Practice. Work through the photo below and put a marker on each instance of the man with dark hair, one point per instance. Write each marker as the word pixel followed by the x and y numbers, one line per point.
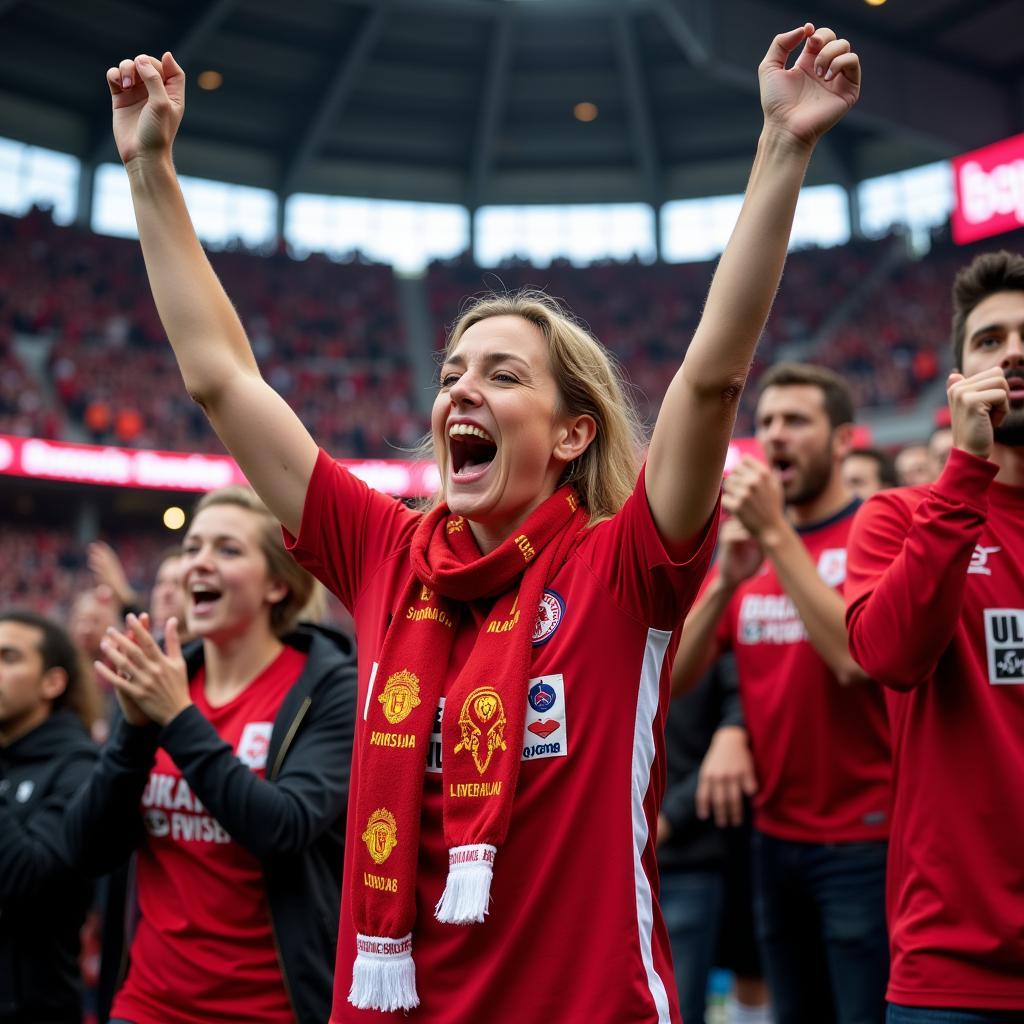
pixel 45 755
pixel 935 606
pixel 817 725
pixel 867 471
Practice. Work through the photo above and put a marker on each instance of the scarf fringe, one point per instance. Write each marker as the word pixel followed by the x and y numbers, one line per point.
pixel 383 975
pixel 467 892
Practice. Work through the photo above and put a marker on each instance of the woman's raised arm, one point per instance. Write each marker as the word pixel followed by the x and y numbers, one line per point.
pixel 267 439
pixel 691 437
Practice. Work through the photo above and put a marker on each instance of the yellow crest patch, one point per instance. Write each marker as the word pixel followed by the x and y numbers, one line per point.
pixel 455 525
pixel 482 723
pixel 381 835
pixel 401 696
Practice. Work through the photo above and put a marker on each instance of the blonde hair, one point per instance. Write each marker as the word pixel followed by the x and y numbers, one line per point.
pixel 589 383
pixel 280 565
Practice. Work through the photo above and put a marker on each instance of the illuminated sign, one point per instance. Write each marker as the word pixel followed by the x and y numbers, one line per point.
pixel 179 471
pixel 989 191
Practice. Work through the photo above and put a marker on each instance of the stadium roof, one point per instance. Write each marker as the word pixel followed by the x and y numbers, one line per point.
pixel 472 101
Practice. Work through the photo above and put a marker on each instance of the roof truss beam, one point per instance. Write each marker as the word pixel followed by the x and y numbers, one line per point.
pixel 338 92
pixel 491 106
pixel 638 101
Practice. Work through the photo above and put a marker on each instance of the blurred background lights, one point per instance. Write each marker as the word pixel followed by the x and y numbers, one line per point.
pixel 174 518
pixel 585 111
pixel 209 80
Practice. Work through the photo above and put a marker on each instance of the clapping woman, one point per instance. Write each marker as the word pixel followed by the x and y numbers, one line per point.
pixel 227 779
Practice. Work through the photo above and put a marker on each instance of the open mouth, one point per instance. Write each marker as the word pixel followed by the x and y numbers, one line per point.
pixel 1016 388
pixel 472 450
pixel 203 596
pixel 785 469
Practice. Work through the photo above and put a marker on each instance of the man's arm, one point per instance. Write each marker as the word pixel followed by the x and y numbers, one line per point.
pixel 738 559
pixel 753 495
pixel 906 571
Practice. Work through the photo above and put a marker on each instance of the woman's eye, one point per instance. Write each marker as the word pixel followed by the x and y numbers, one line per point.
pixel 506 378
pixel 448 379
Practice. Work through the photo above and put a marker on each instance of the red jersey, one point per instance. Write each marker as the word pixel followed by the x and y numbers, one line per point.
pixel 821 750
pixel 574 934
pixel 204 950
pixel 936 609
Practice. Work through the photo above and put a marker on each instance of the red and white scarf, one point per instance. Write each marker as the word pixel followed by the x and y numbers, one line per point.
pixel 481 734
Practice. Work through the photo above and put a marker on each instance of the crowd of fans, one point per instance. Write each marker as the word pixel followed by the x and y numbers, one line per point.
pixel 326 334
pixel 646 315
pixel 329 336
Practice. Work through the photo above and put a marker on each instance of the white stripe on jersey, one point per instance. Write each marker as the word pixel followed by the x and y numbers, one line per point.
pixel 643 761
pixel 369 689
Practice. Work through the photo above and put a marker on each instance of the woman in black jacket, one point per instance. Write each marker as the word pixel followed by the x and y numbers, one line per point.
pixel 228 779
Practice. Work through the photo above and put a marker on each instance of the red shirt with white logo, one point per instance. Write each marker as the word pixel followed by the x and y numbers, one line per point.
pixel 821 750
pixel 204 950
pixel 935 602
pixel 574 934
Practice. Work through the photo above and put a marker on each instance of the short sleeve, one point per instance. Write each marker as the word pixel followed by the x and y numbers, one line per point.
pixel 648 581
pixel 347 529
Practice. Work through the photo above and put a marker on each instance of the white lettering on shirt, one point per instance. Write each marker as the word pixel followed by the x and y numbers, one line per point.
pixel 769 619
pixel 1004 643
pixel 979 560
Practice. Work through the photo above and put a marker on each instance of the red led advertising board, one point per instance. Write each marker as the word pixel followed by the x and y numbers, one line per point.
pixel 989 191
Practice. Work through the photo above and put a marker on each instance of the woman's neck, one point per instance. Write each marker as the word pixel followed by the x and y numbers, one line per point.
pixel 232 664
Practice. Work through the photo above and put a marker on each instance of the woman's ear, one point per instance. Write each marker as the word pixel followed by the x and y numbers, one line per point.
pixel 577 435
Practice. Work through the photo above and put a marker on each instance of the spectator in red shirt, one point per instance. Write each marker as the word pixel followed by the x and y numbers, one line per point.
pixel 935 606
pixel 227 779
pixel 817 724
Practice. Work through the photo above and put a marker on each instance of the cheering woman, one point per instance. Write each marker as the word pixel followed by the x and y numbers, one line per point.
pixel 227 779
pixel 512 639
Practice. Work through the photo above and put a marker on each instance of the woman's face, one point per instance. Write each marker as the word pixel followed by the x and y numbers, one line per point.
pixel 499 439
pixel 227 587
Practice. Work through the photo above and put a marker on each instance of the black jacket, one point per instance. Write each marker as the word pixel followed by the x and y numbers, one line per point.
pixel 293 821
pixel 42 901
pixel 693 719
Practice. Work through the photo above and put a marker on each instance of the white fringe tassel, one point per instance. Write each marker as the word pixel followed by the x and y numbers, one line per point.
pixel 384 975
pixel 467 892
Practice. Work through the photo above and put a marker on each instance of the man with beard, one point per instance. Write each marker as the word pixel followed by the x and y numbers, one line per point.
pixel 817 725
pixel 935 601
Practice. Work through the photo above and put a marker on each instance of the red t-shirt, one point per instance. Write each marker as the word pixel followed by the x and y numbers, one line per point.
pixel 204 950
pixel 821 750
pixel 935 601
pixel 573 934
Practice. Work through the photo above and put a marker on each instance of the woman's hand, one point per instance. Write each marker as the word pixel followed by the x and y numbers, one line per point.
pixel 147 680
pixel 148 98
pixel 808 98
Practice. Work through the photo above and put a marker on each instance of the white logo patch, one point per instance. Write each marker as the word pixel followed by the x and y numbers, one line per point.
pixel 549 617
pixel 832 566
pixel 979 561
pixel 254 744
pixel 544 733
pixel 25 789
pixel 1004 641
